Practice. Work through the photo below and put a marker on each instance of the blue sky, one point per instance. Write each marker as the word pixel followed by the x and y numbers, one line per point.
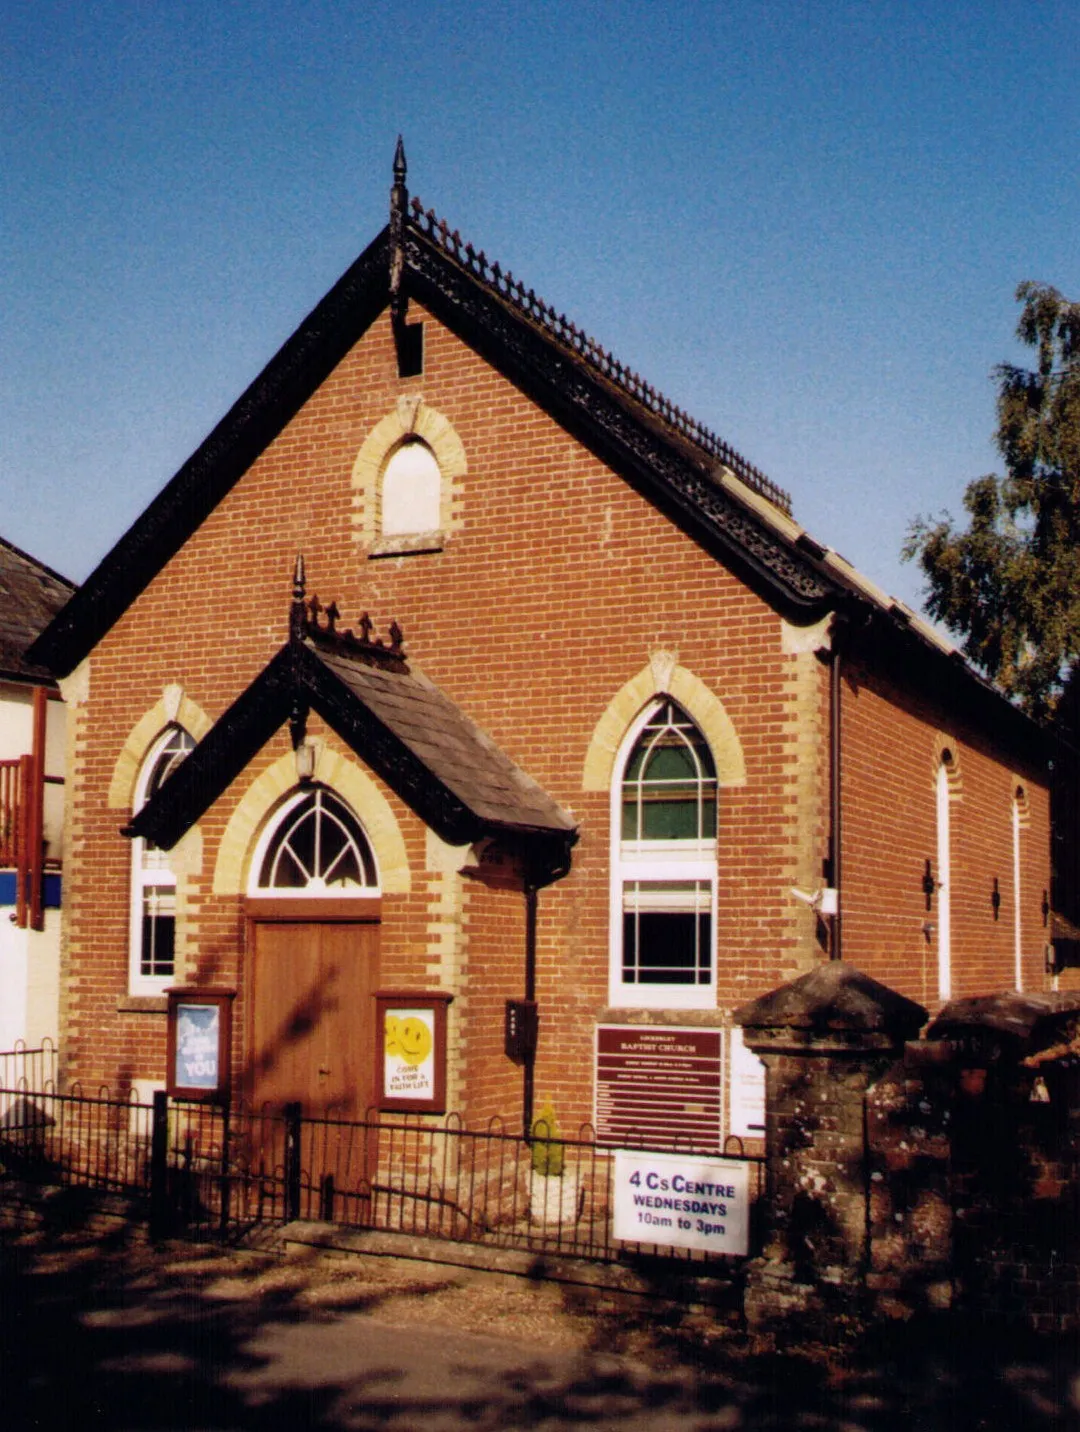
pixel 803 222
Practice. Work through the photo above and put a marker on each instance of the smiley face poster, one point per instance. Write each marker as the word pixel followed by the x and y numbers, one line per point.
pixel 409 1053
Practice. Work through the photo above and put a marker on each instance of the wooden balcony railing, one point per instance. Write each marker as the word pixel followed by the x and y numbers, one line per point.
pixel 22 821
pixel 13 795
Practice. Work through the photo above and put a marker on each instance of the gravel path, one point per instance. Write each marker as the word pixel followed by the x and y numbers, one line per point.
pixel 104 1331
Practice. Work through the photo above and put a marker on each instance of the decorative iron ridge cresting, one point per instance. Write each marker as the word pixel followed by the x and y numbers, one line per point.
pixel 564 331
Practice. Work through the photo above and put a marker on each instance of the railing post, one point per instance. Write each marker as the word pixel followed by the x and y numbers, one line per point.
pixel 35 816
pixel 225 1182
pixel 22 841
pixel 326 1199
pixel 159 1166
pixel 293 1116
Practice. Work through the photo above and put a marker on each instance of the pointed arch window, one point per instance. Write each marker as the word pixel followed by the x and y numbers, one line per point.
pixel 1020 820
pixel 664 864
pixel 316 846
pixel 944 878
pixel 152 943
pixel 411 490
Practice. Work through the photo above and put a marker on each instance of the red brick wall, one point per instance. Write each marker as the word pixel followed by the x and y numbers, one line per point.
pixel 495 973
pixel 891 747
pixel 545 603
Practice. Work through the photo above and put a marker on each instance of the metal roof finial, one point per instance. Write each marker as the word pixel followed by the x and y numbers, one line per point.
pixel 399 203
pixel 297 614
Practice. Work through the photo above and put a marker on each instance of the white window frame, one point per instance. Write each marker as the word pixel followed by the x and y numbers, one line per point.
pixel 944 881
pixel 151 871
pixel 1018 940
pixel 671 861
pixel 316 889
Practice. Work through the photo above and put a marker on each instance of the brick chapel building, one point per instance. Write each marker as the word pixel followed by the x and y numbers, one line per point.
pixel 560 705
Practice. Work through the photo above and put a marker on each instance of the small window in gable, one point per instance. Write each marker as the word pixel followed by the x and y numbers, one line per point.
pixel 153 883
pixel 410 350
pixel 411 491
pixel 664 872
pixel 315 847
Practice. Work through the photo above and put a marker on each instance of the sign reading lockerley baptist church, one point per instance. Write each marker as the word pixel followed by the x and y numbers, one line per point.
pixel 682 1201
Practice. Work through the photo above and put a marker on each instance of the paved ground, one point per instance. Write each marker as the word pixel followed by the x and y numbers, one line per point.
pixel 103 1332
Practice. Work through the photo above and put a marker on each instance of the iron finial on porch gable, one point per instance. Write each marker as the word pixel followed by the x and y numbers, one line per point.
pixel 297 612
pixel 400 167
pixel 399 203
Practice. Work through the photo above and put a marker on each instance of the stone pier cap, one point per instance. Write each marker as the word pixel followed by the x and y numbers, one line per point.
pixel 1009 1026
pixel 833 1009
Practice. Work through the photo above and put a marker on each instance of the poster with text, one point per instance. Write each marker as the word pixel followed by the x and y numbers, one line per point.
pixel 409 1047
pixel 682 1201
pixel 198 1042
pixel 747 1085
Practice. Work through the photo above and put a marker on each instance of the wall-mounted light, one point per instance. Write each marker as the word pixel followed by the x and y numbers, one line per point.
pixel 995 898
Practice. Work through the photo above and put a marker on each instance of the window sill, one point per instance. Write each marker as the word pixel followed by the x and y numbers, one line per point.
pixel 670 1014
pixel 142 1004
pixel 409 544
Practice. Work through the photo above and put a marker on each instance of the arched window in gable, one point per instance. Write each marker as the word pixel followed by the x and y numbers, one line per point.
pixel 411 490
pixel 152 961
pixel 664 864
pixel 315 846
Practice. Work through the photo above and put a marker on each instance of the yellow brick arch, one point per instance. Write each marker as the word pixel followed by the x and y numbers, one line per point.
pixel 946 752
pixel 175 708
pixel 663 678
pixel 346 779
pixel 410 417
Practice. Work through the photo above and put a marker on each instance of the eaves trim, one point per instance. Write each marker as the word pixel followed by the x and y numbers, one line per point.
pixel 687 485
pixel 247 429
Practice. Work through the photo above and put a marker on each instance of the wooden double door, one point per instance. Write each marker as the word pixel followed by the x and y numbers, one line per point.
pixel 313 1015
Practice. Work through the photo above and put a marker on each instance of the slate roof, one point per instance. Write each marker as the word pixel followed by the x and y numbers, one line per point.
pixel 448 771
pixel 450 746
pixel 690 474
pixel 31 594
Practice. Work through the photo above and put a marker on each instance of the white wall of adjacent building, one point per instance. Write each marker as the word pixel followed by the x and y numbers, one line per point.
pixel 30 959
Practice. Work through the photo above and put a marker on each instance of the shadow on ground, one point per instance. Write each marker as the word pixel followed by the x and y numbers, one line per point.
pixel 101 1331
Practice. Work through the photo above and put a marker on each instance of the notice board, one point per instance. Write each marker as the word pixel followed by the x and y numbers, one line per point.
pixel 659 1085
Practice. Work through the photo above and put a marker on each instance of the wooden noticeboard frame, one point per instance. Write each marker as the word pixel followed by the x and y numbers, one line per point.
pixel 410 1052
pixel 199 1044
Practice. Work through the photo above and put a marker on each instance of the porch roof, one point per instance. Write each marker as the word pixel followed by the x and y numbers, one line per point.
pixel 435 758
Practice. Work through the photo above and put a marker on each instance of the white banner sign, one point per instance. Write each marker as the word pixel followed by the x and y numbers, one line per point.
pixel 747 1085
pixel 683 1201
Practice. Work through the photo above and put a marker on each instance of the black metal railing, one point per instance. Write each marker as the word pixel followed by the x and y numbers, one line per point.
pixel 71 1139
pixel 226 1168
pixel 28 1067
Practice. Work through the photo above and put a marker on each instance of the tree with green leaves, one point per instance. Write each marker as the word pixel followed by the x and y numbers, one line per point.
pixel 1008 585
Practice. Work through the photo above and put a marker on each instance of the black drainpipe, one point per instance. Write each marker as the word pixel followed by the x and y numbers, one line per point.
pixel 530 995
pixel 552 864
